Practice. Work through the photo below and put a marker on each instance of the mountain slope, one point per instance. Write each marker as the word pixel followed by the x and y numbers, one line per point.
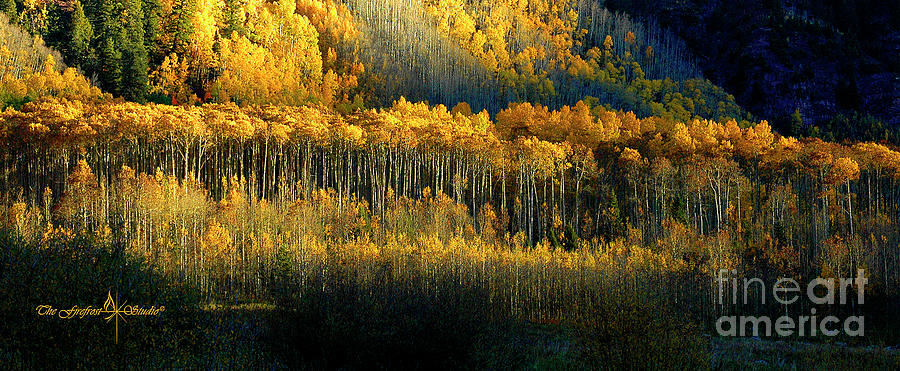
pixel 830 64
pixel 551 53
pixel 348 54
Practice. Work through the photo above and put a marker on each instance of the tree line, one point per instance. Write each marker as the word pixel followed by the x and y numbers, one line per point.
pixel 573 174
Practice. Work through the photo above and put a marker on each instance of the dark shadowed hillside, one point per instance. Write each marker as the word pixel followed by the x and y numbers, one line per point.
pixel 830 61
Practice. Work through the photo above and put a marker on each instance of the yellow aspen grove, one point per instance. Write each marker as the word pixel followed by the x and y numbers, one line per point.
pixel 433 184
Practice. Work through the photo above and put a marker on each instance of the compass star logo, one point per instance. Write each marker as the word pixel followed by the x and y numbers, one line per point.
pixel 114 311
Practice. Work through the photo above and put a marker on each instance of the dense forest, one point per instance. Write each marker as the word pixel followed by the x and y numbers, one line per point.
pixel 391 171
pixel 347 54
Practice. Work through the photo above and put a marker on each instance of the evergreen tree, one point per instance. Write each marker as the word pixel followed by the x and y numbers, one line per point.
pixel 80 34
pixel 134 72
pixel 152 30
pixel 122 55
pixel 108 71
pixel 57 31
pixel 181 29
pixel 110 41
pixel 134 54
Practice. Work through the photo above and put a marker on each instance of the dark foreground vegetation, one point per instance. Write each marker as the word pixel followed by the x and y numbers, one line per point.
pixel 339 322
pixel 334 323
